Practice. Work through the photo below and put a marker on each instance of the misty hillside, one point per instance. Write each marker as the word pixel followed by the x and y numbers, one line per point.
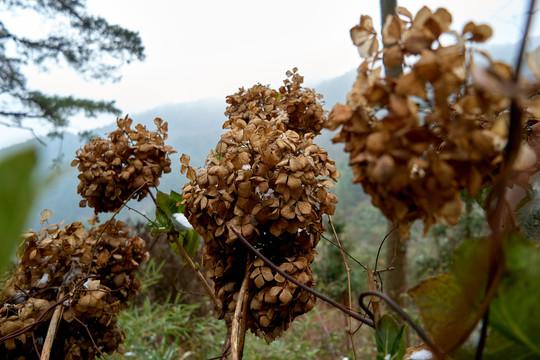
pixel 194 129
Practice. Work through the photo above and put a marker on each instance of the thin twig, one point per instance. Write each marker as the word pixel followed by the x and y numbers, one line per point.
pixel 346 253
pixel 349 291
pixel 235 350
pixel 374 300
pixel 380 247
pixel 243 325
pixel 226 349
pixel 299 284
pixel 35 346
pixel 90 334
pixel 200 276
pixel 51 332
pixel 140 213
pixel 394 306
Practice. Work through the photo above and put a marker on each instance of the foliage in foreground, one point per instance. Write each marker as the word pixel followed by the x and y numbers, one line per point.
pixel 413 166
pixel 171 331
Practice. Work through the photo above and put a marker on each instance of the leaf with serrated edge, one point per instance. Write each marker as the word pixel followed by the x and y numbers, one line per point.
pixel 448 303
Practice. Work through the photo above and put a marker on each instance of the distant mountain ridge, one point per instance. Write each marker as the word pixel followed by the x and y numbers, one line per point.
pixel 194 129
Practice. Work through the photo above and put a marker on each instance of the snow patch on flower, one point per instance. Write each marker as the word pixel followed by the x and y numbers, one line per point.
pixel 182 220
pixel 421 355
pixel 264 196
pixel 43 281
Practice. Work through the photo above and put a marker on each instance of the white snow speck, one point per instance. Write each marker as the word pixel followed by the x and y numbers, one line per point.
pixel 421 355
pixel 86 283
pixel 182 220
pixel 43 281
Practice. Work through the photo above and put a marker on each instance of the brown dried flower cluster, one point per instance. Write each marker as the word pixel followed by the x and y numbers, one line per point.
pixel 269 180
pixel 417 140
pixel 127 164
pixel 302 106
pixel 58 264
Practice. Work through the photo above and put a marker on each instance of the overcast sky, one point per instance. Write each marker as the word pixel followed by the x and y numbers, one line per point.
pixel 208 49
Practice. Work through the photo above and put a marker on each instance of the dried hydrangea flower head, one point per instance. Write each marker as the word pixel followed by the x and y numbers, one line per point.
pixel 127 164
pixel 417 140
pixel 269 180
pixel 58 260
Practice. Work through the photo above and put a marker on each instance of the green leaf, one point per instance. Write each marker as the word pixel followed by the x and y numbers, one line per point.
pixel 17 194
pixel 391 339
pixel 189 240
pixel 178 199
pixel 174 248
pixel 167 203
pixel 161 226
pixel 162 219
pixel 449 303
pixel 481 196
pixel 515 311
pixel 497 347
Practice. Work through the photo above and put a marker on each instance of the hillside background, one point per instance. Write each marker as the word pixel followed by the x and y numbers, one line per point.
pixel 194 129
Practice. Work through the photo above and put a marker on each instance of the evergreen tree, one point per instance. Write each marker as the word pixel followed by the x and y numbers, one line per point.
pixel 87 43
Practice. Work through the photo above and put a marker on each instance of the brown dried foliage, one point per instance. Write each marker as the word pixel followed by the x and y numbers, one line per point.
pixel 131 160
pixel 268 179
pixel 416 141
pixel 58 260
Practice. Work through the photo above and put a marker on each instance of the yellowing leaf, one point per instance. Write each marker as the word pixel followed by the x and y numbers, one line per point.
pixel 449 303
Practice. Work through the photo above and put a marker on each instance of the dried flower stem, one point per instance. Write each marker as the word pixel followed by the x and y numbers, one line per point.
pixel 243 324
pixel 235 349
pixel 90 335
pixel 51 332
pixel 200 276
pixel 348 269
